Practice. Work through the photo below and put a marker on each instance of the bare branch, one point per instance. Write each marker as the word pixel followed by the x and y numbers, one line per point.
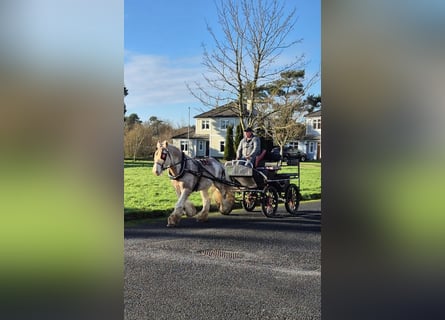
pixel 255 33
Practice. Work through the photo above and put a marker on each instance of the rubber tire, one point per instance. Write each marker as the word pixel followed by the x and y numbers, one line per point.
pixel 292 199
pixel 269 201
pixel 245 204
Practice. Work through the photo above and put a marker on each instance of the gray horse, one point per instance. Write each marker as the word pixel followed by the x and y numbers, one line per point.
pixel 188 175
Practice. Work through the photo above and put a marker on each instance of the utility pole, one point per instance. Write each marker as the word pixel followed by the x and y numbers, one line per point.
pixel 188 135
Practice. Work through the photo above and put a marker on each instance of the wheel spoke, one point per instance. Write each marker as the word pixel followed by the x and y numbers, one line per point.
pixel 269 203
pixel 292 199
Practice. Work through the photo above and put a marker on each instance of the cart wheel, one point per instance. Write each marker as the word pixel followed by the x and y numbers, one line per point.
pixel 269 201
pixel 292 200
pixel 249 200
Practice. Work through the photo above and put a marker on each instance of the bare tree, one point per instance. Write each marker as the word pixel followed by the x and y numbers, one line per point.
pixel 255 34
pixel 134 139
pixel 282 107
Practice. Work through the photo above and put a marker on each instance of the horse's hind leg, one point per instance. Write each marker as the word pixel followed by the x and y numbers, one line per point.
pixel 203 215
pixel 175 216
pixel 190 209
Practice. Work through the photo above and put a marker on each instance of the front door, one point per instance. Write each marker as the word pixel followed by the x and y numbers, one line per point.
pixel 207 148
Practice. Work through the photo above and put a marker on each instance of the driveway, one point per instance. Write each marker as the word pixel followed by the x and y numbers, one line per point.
pixel 241 266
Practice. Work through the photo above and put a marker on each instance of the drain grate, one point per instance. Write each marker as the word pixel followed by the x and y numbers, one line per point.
pixel 220 253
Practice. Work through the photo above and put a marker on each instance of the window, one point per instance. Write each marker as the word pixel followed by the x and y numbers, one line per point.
pixel 225 123
pixel 221 146
pixel 311 147
pixel 205 124
pixel 316 124
pixel 200 145
pixel 184 146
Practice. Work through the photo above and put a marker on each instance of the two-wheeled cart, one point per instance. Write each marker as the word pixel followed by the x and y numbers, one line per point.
pixel 265 186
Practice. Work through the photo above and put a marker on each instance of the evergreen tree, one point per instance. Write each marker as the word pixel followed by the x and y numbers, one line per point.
pixel 125 106
pixel 132 120
pixel 313 102
pixel 238 136
pixel 229 150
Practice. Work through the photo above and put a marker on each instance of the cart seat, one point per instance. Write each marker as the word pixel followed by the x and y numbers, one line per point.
pixel 260 158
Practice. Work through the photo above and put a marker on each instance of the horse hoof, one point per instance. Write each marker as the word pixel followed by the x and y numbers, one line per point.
pixel 170 225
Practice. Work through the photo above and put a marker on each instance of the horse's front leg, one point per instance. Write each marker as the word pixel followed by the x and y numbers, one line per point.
pixel 204 213
pixel 189 208
pixel 175 216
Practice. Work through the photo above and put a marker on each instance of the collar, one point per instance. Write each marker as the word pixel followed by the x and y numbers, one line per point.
pixel 181 170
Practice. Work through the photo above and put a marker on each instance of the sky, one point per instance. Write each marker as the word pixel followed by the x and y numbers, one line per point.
pixel 163 52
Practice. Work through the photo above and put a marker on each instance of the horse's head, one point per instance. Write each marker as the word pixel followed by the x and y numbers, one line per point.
pixel 224 198
pixel 162 158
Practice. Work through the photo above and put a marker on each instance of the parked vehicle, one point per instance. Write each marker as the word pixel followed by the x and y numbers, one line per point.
pixel 288 153
pixel 274 154
pixel 294 153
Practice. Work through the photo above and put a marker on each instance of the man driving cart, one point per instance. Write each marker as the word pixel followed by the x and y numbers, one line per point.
pixel 249 147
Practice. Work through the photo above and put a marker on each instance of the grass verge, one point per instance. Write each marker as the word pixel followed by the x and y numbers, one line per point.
pixel 149 196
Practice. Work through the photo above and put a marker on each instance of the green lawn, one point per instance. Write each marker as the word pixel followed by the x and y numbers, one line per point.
pixel 147 194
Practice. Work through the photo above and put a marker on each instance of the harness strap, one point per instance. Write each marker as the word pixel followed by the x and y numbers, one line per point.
pixel 181 170
pixel 201 173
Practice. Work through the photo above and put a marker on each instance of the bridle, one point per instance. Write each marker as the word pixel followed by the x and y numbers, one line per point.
pixel 166 154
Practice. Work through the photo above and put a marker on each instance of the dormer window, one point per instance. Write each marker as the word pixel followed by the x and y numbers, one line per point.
pixel 205 124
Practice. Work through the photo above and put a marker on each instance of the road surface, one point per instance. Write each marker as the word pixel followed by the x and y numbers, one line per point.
pixel 241 266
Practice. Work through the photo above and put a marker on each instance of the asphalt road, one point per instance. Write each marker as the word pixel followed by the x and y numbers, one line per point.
pixel 242 266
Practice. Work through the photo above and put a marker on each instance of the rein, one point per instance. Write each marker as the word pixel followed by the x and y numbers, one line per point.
pixel 181 170
pixel 201 173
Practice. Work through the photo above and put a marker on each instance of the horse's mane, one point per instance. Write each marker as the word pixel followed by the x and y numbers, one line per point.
pixel 175 149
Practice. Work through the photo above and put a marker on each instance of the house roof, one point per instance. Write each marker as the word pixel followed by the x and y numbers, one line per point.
pixel 313 137
pixel 314 114
pixel 192 135
pixel 184 133
pixel 225 111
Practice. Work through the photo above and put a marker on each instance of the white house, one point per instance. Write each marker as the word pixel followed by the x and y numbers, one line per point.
pixel 208 136
pixel 312 137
